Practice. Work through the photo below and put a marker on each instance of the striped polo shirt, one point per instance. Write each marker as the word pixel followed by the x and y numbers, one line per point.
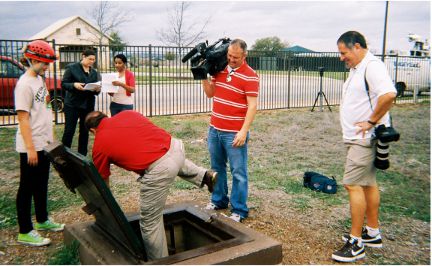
pixel 229 101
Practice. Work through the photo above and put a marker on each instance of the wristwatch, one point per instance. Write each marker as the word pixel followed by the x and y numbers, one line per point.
pixel 372 123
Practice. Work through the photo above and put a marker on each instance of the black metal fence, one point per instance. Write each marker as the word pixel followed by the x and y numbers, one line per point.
pixel 165 86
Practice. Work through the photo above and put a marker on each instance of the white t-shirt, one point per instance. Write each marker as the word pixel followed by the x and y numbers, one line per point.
pixel 121 97
pixel 355 105
pixel 31 95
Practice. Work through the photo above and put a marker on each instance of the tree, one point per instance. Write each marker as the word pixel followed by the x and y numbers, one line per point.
pixel 170 56
pixel 108 17
pixel 179 31
pixel 116 43
pixel 269 45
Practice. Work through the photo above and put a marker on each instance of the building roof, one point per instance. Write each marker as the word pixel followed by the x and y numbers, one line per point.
pixel 59 24
pixel 297 49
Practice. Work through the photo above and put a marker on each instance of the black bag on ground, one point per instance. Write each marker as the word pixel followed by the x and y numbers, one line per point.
pixel 319 182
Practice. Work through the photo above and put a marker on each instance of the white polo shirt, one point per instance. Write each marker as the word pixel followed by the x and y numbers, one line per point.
pixel 355 105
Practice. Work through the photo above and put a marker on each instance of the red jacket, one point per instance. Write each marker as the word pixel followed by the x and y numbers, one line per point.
pixel 130 141
pixel 130 80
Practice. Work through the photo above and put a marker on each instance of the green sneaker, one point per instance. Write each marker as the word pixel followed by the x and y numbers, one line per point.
pixel 33 239
pixel 49 225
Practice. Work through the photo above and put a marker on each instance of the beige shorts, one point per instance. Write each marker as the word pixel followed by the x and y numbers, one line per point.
pixel 359 167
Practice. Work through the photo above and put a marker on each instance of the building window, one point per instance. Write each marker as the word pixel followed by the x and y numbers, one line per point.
pixel 78 31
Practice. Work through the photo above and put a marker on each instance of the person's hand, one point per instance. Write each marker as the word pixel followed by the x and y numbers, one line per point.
pixel 97 88
pixel 239 139
pixel 111 94
pixel 364 127
pixel 32 157
pixel 117 83
pixel 79 86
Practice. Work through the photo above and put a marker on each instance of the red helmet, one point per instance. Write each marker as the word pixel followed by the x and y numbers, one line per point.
pixel 41 51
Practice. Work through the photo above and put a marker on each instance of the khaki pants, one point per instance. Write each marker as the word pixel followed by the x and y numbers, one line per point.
pixel 155 184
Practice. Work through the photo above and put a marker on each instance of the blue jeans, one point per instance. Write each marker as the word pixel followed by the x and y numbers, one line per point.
pixel 221 151
pixel 116 108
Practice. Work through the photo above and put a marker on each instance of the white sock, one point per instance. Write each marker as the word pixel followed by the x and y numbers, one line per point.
pixel 373 232
pixel 359 240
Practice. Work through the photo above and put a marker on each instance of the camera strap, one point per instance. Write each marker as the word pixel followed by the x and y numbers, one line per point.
pixel 368 94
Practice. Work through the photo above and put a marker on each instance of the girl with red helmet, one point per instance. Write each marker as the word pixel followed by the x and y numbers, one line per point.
pixel 35 131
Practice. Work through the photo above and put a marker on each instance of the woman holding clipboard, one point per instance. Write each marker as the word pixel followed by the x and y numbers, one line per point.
pixel 122 100
pixel 79 101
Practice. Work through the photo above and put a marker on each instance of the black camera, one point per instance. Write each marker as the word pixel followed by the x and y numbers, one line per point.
pixel 208 59
pixel 321 71
pixel 384 135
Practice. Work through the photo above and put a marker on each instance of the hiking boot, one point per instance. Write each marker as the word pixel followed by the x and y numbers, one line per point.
pixel 368 241
pixel 209 179
pixel 350 252
pixel 236 217
pixel 33 239
pixel 49 225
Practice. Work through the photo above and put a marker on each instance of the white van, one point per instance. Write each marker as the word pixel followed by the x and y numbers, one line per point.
pixel 409 73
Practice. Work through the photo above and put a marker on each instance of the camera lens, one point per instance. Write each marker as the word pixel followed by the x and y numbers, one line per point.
pixel 382 155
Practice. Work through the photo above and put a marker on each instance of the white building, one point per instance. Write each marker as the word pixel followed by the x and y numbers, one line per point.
pixel 73 35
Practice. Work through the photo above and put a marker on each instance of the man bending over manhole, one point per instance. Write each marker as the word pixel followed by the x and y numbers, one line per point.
pixel 130 141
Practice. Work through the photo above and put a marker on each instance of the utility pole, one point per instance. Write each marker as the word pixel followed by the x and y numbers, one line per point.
pixel 385 32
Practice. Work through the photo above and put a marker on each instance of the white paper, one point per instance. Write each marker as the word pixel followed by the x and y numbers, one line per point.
pixel 107 79
pixel 92 86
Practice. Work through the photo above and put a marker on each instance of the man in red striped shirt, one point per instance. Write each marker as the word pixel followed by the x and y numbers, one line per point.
pixel 131 141
pixel 234 91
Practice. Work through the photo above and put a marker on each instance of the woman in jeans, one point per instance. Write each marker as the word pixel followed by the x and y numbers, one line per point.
pixel 122 100
pixel 35 131
pixel 79 102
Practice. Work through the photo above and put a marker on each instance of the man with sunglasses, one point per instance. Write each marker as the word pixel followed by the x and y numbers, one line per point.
pixel 234 91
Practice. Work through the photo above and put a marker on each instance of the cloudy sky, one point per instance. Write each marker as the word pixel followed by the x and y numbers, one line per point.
pixel 313 24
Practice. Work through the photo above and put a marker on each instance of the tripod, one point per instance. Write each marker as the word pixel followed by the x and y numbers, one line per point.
pixel 321 93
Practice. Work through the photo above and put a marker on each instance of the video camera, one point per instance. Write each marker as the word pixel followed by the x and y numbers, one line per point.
pixel 208 59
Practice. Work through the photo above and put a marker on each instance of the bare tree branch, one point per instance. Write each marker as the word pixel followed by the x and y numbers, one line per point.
pixel 179 32
pixel 108 18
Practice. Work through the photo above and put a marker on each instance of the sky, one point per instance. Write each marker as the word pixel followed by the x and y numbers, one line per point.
pixel 315 25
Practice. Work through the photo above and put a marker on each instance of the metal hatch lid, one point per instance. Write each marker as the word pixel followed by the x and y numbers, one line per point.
pixel 79 173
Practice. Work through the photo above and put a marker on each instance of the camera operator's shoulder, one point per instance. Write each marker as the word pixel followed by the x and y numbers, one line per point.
pixel 249 71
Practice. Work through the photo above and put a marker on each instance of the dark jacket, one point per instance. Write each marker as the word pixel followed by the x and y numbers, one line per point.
pixel 76 98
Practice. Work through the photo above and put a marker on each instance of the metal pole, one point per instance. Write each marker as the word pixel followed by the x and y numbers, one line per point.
pixel 321 94
pixel 150 80
pixel 385 32
pixel 55 83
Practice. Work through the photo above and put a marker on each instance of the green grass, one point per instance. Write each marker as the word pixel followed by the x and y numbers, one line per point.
pixel 66 255
pixel 7 211
pixel 58 198
pixel 283 145
pixel 404 196
pixel 8 155
pixel 182 184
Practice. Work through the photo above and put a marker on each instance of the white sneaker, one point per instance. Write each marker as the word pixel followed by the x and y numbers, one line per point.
pixel 210 206
pixel 236 217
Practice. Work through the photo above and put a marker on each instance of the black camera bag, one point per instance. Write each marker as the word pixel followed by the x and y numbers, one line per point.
pixel 319 182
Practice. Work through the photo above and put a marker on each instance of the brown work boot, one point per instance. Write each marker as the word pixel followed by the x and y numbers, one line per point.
pixel 209 179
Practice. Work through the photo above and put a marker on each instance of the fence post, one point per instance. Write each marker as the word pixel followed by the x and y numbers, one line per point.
pixel 55 83
pixel 396 68
pixel 150 81
pixel 415 94
pixel 289 78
